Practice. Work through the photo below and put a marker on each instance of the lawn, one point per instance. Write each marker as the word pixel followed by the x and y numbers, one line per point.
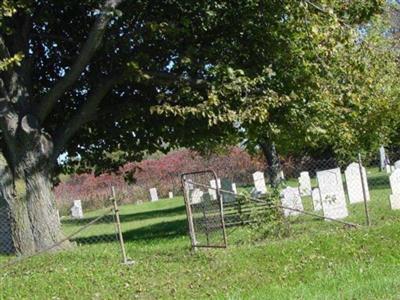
pixel 318 260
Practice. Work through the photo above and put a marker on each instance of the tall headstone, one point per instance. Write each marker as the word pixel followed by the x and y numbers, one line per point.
pixel 355 184
pixel 76 210
pixel 227 191
pixel 234 189
pixel 259 183
pixel 153 194
pixel 332 193
pixel 395 186
pixel 382 158
pixel 290 198
pixel 282 175
pixel 316 198
pixel 170 195
pixel 397 164
pixel 305 184
pixel 213 190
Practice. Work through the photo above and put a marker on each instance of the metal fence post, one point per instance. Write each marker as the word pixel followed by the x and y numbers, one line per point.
pixel 125 259
pixel 364 190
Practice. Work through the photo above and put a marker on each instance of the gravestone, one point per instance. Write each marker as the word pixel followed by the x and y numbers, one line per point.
pixel 388 169
pixel 170 195
pixel 316 198
pixel 290 198
pixel 153 194
pixel 282 175
pixel 226 185
pixel 305 184
pixel 354 183
pixel 382 158
pixel 76 210
pixel 213 190
pixel 332 193
pixel 397 164
pixel 196 196
pixel 234 188
pixel 259 183
pixel 395 187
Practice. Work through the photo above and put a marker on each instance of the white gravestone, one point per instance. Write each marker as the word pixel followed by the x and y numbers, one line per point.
pixel 397 164
pixel 354 183
pixel 234 188
pixel 153 194
pixel 282 175
pixel 395 186
pixel 382 158
pixel 290 198
pixel 316 198
pixel 196 196
pixel 170 195
pixel 76 210
pixel 388 169
pixel 305 184
pixel 213 190
pixel 259 183
pixel 332 194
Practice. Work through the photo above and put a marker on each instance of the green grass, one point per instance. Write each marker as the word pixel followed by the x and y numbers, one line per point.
pixel 319 260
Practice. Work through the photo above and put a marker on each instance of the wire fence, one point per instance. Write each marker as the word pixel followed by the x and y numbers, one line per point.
pixel 308 192
pixel 100 228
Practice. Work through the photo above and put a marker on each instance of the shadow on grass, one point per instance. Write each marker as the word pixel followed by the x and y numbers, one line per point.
pixel 170 212
pixel 162 230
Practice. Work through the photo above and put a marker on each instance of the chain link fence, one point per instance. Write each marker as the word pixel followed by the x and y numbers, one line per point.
pixel 309 193
pixel 82 229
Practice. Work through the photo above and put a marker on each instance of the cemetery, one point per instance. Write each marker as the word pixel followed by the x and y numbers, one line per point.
pixel 199 149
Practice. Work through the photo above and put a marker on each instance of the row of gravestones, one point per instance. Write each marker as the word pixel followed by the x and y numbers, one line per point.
pixel 330 196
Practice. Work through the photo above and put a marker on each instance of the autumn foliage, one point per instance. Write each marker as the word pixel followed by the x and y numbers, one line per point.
pixel 163 174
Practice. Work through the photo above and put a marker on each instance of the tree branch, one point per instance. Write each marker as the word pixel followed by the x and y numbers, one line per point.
pixel 83 115
pixel 89 48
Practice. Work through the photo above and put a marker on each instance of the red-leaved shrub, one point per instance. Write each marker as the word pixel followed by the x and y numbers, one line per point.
pixel 163 174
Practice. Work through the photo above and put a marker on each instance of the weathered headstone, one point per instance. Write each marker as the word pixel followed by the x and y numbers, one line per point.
pixel 76 210
pixel 382 158
pixel 388 169
pixel 332 194
pixel 316 198
pixel 397 164
pixel 170 195
pixel 290 198
pixel 395 186
pixel 282 175
pixel 305 184
pixel 259 183
pixel 354 183
pixel 196 196
pixel 213 190
pixel 226 185
pixel 234 189
pixel 153 194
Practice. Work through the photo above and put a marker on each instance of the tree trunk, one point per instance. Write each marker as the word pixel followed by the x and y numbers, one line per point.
pixel 33 215
pixel 42 212
pixel 273 168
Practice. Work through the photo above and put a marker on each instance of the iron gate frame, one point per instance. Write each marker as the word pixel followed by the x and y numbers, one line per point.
pixel 189 212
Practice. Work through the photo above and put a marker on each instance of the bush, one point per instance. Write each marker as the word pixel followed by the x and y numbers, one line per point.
pixel 163 174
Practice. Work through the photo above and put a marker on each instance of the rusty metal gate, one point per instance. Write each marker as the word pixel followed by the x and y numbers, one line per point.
pixel 204 209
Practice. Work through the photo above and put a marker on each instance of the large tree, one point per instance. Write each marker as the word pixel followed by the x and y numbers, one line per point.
pixel 93 77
